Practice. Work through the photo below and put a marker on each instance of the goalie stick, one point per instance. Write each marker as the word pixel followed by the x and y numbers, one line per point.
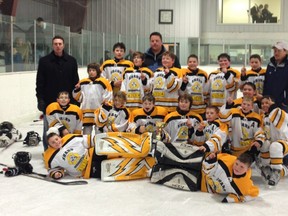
pixel 44 177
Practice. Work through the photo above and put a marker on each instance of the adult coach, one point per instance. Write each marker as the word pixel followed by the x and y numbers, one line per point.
pixel 276 78
pixel 153 56
pixel 57 72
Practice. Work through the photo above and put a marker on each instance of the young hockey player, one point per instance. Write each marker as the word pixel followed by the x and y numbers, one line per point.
pixel 226 174
pixel 194 82
pixel 181 124
pixel 274 156
pixel 65 116
pixel 166 82
pixel 246 127
pixel 255 75
pixel 144 119
pixel 215 132
pixel 223 82
pixel 179 166
pixel 113 118
pixel 91 92
pixel 135 81
pixel 86 156
pixel 113 69
pixel 248 90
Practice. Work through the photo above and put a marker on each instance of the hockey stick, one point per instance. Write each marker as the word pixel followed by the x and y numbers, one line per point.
pixel 44 177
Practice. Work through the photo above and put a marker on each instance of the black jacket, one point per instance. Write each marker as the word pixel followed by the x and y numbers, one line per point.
pixel 276 81
pixel 55 74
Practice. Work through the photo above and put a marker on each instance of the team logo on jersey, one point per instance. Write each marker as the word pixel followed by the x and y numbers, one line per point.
pixel 217 85
pixel 134 84
pixel 72 158
pixel 182 133
pixel 159 82
pixel 116 75
pixel 196 87
pixel 214 185
pixel 245 138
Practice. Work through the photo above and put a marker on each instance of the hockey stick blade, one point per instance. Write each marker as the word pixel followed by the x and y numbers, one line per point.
pixel 40 177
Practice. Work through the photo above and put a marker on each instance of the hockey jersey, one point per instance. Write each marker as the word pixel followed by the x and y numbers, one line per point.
pixel 215 135
pixel 256 77
pixel 166 86
pixel 113 70
pixel 134 86
pixel 91 95
pixel 197 87
pixel 245 128
pixel 218 177
pixel 221 86
pixel 74 155
pixel 111 119
pixel 176 129
pixel 141 118
pixel 69 118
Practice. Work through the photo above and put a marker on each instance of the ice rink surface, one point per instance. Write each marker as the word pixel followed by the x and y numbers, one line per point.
pixel 21 195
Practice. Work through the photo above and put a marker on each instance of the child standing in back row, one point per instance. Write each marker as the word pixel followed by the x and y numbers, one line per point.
pixel 166 83
pixel 135 81
pixel 113 69
pixel 194 82
pixel 91 92
pixel 255 75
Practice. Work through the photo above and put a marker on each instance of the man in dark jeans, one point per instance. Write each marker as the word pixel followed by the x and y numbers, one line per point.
pixel 57 72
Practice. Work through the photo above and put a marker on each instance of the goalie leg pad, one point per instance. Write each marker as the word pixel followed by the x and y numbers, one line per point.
pixel 120 169
pixel 182 179
pixel 179 155
pixel 121 144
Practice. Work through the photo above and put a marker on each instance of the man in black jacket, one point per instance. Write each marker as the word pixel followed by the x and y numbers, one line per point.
pixel 153 56
pixel 276 77
pixel 57 72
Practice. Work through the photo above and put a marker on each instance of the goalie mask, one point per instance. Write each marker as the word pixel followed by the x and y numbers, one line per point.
pixel 32 139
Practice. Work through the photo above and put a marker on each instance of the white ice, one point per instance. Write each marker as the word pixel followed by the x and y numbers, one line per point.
pixel 21 195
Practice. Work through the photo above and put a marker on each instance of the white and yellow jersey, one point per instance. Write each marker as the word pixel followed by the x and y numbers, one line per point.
pixel 217 177
pixel 69 118
pixel 140 118
pixel 166 86
pixel 176 129
pixel 221 86
pixel 275 125
pixel 215 135
pixel 111 119
pixel 91 95
pixel 197 87
pixel 246 128
pixel 113 71
pixel 73 156
pixel 134 86
pixel 256 77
